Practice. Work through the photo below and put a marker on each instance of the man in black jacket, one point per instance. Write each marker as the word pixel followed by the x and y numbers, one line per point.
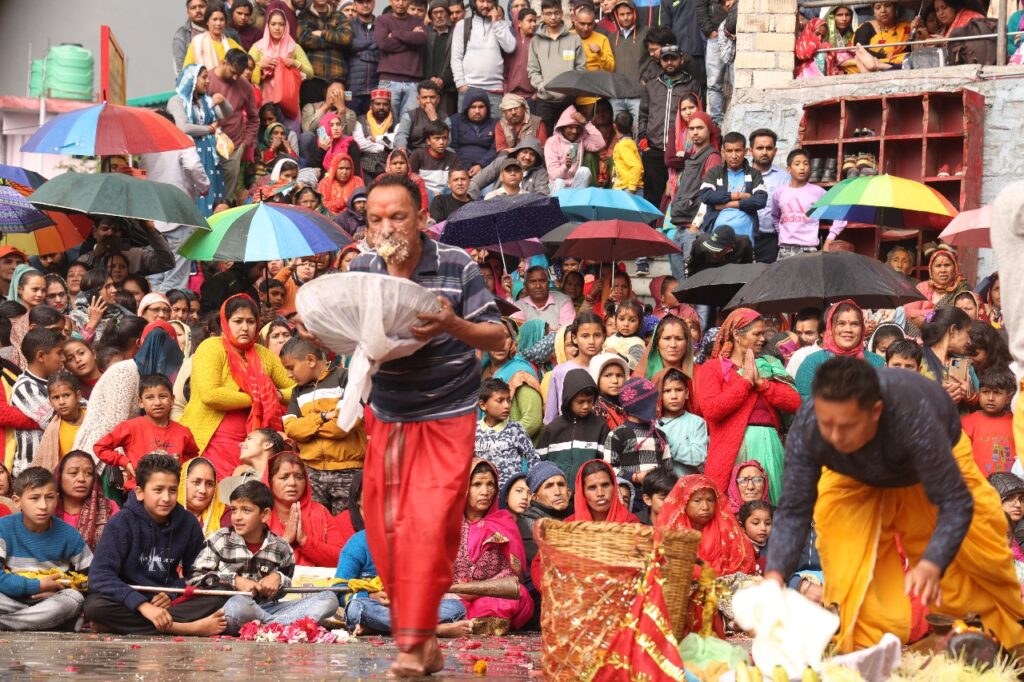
pixel 659 102
pixel 550 497
pixel 438 64
pixel 710 15
pixel 717 249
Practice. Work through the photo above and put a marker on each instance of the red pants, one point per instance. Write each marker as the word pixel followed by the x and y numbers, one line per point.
pixel 414 490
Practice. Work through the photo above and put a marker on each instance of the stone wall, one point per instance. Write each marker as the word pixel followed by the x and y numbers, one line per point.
pixel 780 108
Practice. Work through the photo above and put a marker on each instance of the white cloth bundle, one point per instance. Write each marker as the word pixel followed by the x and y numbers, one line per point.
pixel 366 316
pixel 789 629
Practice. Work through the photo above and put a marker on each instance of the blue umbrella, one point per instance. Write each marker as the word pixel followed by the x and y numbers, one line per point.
pixel 502 220
pixel 592 203
pixel 17 214
pixel 22 176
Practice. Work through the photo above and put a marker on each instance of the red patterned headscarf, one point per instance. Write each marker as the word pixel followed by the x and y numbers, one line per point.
pixel 248 372
pixel 738 319
pixel 828 341
pixel 723 544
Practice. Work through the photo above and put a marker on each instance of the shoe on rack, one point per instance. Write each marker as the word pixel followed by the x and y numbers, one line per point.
pixel 817 167
pixel 943 171
pixel 868 132
pixel 959 170
pixel 829 174
pixel 867 165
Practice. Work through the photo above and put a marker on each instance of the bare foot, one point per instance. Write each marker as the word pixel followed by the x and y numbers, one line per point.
pixel 462 628
pixel 357 631
pixel 214 624
pixel 424 659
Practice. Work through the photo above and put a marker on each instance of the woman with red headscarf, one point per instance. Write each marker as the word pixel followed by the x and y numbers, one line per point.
pixel 845 334
pixel 238 386
pixel 748 483
pixel 338 143
pixel 810 63
pixel 490 547
pixel 678 147
pixel 339 183
pixel 315 536
pixel 740 397
pixel 280 64
pixel 597 495
pixel 943 285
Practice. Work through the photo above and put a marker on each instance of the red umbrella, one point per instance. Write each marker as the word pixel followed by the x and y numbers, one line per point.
pixel 970 228
pixel 105 130
pixel 606 241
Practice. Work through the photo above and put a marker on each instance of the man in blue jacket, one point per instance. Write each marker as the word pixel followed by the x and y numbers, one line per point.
pixel 472 132
pixel 733 192
pixel 363 57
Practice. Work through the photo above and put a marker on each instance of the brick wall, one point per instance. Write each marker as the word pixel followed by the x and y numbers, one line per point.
pixel 764 43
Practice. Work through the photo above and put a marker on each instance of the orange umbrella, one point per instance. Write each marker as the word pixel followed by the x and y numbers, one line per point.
pixel 68 230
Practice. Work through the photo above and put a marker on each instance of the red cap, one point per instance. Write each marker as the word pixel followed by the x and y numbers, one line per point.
pixel 8 250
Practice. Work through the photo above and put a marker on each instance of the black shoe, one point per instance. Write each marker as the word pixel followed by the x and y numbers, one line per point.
pixel 817 167
pixel 829 174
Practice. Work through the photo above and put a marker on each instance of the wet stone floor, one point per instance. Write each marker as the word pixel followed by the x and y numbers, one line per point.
pixel 48 656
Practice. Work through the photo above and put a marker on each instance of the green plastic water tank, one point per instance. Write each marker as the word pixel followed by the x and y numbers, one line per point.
pixel 35 81
pixel 69 72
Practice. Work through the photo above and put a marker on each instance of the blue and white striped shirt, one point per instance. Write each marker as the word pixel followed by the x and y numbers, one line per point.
pixel 442 379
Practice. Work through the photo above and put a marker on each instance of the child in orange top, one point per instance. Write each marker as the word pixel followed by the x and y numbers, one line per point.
pixel 991 428
pixel 154 432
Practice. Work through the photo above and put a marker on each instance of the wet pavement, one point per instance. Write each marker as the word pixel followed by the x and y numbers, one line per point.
pixel 47 656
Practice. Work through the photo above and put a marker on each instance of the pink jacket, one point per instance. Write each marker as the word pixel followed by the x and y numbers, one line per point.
pixel 557 147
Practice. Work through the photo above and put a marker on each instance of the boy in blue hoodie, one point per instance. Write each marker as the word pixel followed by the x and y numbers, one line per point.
pixel 151 542
pixel 33 540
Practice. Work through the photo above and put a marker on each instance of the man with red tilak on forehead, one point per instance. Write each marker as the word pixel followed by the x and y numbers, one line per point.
pixel 421 421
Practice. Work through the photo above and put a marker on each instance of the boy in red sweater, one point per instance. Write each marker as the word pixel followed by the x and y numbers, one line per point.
pixel 991 428
pixel 154 432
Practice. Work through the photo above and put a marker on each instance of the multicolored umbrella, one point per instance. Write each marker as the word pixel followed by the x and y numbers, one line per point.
pixel 607 241
pixel 17 214
pixel 120 196
pixel 107 129
pixel 886 200
pixel 592 203
pixel 22 176
pixel 265 231
pixel 970 228
pixel 60 232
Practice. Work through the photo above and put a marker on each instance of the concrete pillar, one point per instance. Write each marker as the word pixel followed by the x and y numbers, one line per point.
pixel 765 38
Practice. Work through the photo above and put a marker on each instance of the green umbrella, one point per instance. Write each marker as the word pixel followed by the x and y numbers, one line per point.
pixel 120 196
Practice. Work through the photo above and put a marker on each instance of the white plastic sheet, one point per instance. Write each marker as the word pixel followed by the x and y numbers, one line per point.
pixel 368 317
pixel 790 630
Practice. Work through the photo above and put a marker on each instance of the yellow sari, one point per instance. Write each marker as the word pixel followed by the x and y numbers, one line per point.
pixel 857 524
pixel 899 33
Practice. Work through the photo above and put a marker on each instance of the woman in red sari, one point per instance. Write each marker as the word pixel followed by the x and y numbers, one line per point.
pixel 952 14
pixel 315 536
pixel 490 547
pixel 695 503
pixel 597 495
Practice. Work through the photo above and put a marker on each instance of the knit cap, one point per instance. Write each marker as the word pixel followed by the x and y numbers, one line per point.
pixel 541 472
pixel 639 398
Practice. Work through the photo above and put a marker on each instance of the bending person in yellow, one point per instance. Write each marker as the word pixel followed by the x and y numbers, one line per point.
pixel 880 453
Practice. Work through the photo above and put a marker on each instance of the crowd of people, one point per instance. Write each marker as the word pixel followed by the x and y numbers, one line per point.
pixel 168 423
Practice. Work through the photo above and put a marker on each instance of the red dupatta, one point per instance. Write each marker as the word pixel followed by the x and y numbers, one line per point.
pixel 617 512
pixel 497 526
pixel 723 544
pixel 735 498
pixel 828 341
pixel 248 372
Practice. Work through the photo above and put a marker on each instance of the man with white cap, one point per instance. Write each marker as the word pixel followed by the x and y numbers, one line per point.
pixel 517 123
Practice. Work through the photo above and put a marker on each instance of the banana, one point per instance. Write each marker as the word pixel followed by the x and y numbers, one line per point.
pixel 743 672
pixel 779 674
pixel 809 676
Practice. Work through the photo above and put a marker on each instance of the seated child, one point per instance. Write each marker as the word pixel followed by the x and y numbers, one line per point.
pixel 686 433
pixel 59 437
pixel 367 609
pixel 150 542
pixel 332 456
pixel 626 340
pixel 44 350
pixel 248 557
pixel 991 428
pixel 609 371
pixel 503 443
pixel 637 446
pixel 756 518
pixel 655 488
pixel 515 495
pixel 152 432
pixel 33 540
pixel 577 435
pixel 904 355
pixel 257 449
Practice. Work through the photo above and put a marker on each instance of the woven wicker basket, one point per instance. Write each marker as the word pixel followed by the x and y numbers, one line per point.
pixel 606 558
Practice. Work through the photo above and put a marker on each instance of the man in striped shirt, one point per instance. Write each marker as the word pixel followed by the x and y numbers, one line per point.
pixel 421 422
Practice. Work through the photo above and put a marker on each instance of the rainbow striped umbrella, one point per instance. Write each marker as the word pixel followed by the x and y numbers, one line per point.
pixel 886 200
pixel 265 231
pixel 107 129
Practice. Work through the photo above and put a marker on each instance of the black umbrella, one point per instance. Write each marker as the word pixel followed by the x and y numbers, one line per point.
pixel 594 84
pixel 817 280
pixel 553 239
pixel 502 220
pixel 715 286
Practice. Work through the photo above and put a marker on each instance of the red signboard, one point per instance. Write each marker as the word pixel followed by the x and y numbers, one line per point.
pixel 112 72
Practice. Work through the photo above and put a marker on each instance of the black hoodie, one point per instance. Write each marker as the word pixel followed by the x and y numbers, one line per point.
pixel 135 550
pixel 570 441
